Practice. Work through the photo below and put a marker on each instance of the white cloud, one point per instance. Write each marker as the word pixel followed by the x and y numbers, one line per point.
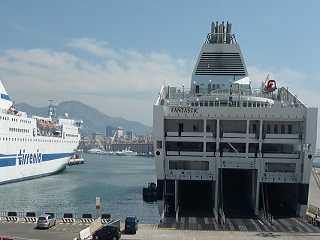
pixel 120 82
pixel 98 48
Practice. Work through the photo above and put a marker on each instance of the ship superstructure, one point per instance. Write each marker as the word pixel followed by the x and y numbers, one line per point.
pixel 224 148
pixel 33 146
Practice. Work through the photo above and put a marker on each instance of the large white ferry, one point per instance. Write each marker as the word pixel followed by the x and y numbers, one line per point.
pixel 33 146
pixel 224 148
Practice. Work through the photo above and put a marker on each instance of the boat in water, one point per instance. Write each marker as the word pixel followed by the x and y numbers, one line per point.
pixel 224 148
pixel 97 151
pixel 125 152
pixel 33 146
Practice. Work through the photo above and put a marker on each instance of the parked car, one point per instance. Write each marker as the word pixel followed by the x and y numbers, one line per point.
pixel 131 225
pixel 46 221
pixel 108 232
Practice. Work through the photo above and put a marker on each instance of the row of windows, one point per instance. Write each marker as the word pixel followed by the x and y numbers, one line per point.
pixel 19 130
pixel 276 129
pixel 280 167
pixel 189 165
pixel 14 119
pixel 34 140
pixel 25 121
pixel 226 103
pixel 280 129
pixel 226 147
pixel 71 135
pixel 204 166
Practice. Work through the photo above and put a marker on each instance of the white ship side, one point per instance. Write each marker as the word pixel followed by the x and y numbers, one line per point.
pixel 33 146
pixel 224 148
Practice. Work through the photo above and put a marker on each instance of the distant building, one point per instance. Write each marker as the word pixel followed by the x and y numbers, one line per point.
pixel 120 132
pixel 110 131
pixel 118 135
pixel 129 135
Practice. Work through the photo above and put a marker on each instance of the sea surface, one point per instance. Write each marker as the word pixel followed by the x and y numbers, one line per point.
pixel 117 180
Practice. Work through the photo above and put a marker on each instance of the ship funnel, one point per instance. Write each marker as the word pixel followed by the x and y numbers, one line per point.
pixel 228 37
pixel 213 29
pixel 220 62
pixel 5 101
pixel 221 33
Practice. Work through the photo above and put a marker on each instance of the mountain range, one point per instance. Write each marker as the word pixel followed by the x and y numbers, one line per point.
pixel 94 121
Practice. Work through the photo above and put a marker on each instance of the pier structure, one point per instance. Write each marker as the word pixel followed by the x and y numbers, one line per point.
pixel 140 148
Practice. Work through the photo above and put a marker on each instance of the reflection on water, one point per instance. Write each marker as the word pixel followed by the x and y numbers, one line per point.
pixel 117 180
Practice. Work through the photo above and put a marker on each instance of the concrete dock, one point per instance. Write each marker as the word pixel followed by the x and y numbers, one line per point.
pixel 25 231
pixel 192 228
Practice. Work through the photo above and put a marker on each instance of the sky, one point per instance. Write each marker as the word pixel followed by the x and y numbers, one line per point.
pixel 115 55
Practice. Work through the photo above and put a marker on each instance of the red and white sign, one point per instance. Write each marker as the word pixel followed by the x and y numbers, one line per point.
pixel 98 203
pixel 271 86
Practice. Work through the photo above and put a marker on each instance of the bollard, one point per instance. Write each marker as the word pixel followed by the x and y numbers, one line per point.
pixel 86 218
pixel 68 218
pixel 12 217
pixel 30 217
pixel 105 217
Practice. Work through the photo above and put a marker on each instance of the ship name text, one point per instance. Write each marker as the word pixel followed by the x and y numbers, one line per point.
pixel 24 158
pixel 188 110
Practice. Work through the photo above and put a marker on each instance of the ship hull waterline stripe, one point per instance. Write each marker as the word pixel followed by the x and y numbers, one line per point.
pixel 11 161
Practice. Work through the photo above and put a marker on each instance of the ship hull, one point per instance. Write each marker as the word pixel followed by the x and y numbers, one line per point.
pixel 18 173
pixel 24 154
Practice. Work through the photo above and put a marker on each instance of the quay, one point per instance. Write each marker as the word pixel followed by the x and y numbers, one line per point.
pixel 27 231
pixel 185 228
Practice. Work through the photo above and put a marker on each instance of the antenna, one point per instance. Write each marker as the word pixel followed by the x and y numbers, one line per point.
pixel 52 109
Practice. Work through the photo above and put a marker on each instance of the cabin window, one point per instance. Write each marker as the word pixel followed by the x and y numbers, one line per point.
pixel 189 165
pixel 283 129
pixel 254 128
pixel 180 128
pixel 159 144
pixel 211 147
pixel 197 89
pixel 184 146
pixel 275 129
pixel 268 128
pixel 280 167
pixel 290 129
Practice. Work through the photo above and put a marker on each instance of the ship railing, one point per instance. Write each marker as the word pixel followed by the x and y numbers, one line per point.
pixel 282 96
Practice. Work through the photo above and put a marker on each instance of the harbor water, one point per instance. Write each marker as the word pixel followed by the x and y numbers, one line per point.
pixel 117 180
